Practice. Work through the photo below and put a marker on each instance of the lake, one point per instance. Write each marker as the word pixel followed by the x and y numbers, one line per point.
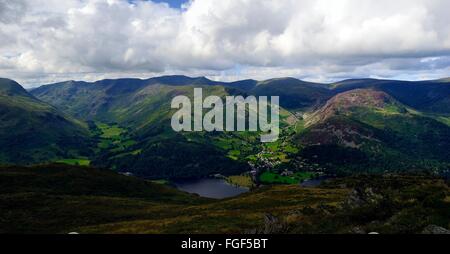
pixel 210 188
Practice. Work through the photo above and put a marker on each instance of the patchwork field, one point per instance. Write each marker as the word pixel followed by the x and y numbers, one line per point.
pixel 269 177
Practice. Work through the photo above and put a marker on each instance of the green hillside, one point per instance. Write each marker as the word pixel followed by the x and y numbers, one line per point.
pixel 139 113
pixel 429 96
pixel 368 130
pixel 154 149
pixel 294 94
pixel 32 131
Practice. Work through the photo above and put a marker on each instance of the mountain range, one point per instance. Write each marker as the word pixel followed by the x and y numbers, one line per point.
pixel 356 125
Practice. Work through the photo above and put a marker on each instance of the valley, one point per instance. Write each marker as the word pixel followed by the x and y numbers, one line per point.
pixel 350 126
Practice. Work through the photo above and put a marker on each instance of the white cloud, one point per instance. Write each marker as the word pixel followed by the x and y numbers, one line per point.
pixel 43 41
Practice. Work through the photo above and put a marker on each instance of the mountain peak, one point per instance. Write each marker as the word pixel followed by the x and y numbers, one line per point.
pixel 291 82
pixel 347 101
pixel 181 80
pixel 361 98
pixel 284 80
pixel 12 88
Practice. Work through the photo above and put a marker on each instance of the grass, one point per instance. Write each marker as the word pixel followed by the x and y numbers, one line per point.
pixel 75 162
pixel 237 145
pixel 113 138
pixel 291 149
pixel 270 177
pixel 445 120
pixel 231 216
pixel 241 180
pixel 104 144
pixel 32 131
pixel 300 126
pixel 161 181
pixel 62 199
pixel 136 152
pixel 234 154
pixel 110 131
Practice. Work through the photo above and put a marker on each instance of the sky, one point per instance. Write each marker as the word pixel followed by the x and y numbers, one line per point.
pixel 173 3
pixel 46 41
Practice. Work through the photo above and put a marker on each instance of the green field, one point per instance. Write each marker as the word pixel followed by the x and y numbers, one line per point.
pixel 112 137
pixel 241 180
pixel 269 177
pixel 161 181
pixel 110 131
pixel 75 162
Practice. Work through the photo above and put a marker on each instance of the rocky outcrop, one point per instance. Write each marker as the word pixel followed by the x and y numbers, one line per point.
pixel 362 197
pixel 272 225
pixel 435 230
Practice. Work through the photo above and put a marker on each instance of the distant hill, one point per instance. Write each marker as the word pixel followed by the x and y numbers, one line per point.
pixel 429 96
pixel 369 127
pixel 142 107
pixel 11 88
pixel 32 131
pixel 99 100
pixel 294 94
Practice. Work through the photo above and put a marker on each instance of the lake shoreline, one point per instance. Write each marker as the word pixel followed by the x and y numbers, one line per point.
pixel 216 188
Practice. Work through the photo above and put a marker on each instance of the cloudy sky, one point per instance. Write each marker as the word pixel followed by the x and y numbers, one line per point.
pixel 43 41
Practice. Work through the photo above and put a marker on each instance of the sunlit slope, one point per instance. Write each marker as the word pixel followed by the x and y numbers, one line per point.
pixel 369 129
pixel 32 131
pixel 294 94
pixel 428 96
pixel 159 151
